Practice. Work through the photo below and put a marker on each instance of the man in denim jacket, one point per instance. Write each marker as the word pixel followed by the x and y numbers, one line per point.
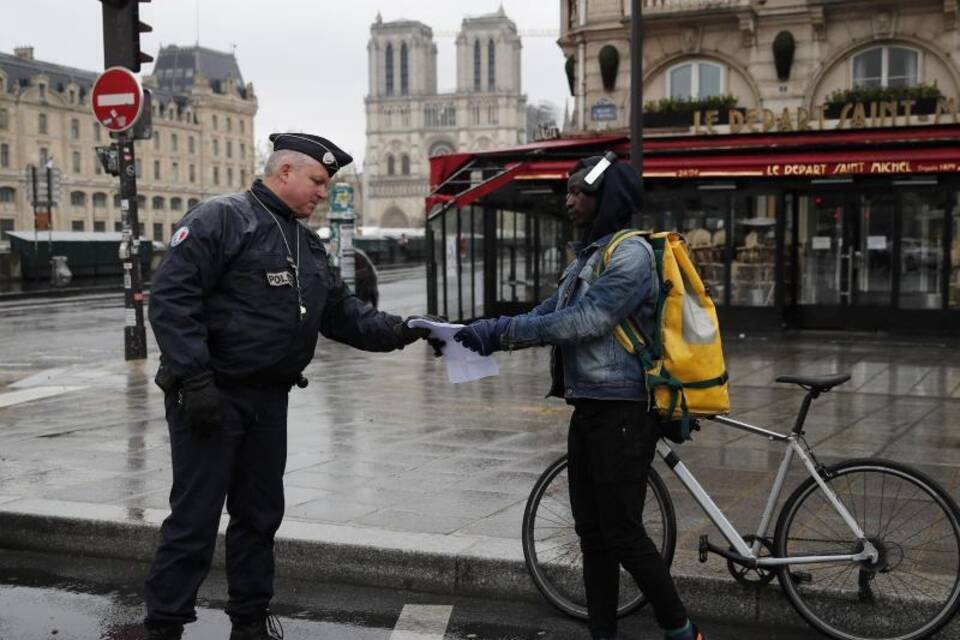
pixel 612 437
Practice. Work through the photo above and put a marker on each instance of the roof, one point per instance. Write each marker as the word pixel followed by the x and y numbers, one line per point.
pixel 176 66
pixel 20 72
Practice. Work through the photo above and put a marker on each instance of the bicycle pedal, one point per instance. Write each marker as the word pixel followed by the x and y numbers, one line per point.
pixel 704 548
pixel 801 577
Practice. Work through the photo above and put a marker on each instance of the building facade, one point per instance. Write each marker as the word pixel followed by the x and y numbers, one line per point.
pixel 408 121
pixel 833 232
pixel 202 145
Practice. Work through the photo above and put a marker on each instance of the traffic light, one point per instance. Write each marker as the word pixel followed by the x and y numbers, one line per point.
pixel 121 34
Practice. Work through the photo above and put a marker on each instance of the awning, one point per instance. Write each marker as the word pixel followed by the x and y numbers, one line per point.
pixel 806 155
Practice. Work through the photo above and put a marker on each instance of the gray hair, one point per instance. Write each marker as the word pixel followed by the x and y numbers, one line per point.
pixel 285 156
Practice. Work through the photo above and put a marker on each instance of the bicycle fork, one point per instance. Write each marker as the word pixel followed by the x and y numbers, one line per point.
pixel 748 555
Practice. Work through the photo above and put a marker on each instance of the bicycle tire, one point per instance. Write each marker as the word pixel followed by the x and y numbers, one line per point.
pixel 844 600
pixel 559 577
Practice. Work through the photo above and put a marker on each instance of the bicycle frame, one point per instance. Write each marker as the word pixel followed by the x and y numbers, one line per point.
pixel 748 554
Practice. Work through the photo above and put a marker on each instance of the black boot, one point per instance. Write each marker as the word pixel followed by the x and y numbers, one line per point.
pixel 165 632
pixel 266 628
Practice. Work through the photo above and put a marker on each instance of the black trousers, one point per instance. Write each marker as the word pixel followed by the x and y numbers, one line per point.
pixel 243 464
pixel 611 445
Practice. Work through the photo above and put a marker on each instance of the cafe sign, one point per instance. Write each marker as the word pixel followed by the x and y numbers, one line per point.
pixel 852 115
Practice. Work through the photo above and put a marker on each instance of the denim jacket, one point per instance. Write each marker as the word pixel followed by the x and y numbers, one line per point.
pixel 578 320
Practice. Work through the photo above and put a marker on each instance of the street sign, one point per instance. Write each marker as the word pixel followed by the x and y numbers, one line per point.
pixel 117 99
pixel 603 109
pixel 56 186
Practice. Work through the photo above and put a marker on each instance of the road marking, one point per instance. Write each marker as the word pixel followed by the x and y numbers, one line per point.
pixel 115 99
pixel 422 622
pixel 11 398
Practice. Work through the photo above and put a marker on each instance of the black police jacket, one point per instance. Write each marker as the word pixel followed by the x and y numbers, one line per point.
pixel 224 298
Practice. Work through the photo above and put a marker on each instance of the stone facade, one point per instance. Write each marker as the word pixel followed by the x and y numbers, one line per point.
pixel 408 121
pixel 837 44
pixel 203 141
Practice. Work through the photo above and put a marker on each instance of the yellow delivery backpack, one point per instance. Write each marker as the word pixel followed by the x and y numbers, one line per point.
pixel 686 373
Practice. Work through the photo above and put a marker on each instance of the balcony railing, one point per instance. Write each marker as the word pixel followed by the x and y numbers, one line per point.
pixel 676 6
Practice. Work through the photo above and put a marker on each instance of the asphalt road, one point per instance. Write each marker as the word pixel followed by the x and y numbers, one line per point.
pixel 47 597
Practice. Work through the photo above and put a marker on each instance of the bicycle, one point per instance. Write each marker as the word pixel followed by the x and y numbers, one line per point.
pixel 864 549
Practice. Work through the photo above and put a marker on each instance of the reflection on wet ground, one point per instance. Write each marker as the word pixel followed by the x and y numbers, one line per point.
pixel 47 597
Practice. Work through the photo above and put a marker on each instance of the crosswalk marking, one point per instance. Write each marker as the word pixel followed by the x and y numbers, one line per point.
pixel 422 622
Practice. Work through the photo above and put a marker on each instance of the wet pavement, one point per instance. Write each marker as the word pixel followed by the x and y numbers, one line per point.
pixel 44 597
pixel 384 451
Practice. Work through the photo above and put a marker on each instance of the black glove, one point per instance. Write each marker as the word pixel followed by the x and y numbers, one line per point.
pixel 200 403
pixel 436 343
pixel 165 379
pixel 407 334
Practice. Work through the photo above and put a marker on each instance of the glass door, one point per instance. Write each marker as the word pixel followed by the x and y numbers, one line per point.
pixel 846 258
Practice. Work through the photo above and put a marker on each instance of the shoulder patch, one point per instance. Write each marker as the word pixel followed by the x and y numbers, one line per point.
pixel 179 236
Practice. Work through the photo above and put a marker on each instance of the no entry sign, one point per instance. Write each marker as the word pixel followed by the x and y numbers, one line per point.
pixel 117 99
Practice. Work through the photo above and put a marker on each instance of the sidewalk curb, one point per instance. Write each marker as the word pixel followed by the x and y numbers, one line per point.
pixel 467 566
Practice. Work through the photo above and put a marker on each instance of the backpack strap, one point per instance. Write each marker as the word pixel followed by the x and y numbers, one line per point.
pixel 628 332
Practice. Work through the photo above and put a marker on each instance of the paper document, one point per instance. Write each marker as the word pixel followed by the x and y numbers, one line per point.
pixel 463 365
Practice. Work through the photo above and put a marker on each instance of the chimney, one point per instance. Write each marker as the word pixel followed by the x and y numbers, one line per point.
pixel 24 53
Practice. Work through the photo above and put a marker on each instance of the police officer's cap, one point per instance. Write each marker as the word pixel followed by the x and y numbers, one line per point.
pixel 332 157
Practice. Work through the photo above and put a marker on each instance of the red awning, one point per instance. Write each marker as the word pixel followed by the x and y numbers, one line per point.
pixel 805 155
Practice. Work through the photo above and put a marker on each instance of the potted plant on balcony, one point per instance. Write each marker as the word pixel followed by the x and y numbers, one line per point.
pixel 925 96
pixel 678 112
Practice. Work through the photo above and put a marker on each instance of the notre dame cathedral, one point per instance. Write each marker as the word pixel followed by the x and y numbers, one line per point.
pixel 408 121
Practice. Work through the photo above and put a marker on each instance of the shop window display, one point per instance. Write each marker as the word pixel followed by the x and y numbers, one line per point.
pixel 921 250
pixel 955 259
pixel 752 270
pixel 702 220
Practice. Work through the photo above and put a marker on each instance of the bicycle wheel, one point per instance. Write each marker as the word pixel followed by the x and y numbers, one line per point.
pixel 551 547
pixel 911 590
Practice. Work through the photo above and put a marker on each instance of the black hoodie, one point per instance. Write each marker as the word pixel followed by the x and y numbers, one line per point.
pixel 618 198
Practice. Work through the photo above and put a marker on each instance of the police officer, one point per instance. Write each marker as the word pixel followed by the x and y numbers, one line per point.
pixel 236 306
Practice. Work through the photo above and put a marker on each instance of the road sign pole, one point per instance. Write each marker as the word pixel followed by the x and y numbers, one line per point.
pixel 50 214
pixel 33 202
pixel 134 333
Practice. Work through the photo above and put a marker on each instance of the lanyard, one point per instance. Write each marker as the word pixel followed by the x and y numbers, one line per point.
pixel 295 265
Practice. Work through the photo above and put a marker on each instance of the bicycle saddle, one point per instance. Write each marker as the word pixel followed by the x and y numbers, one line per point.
pixel 820 384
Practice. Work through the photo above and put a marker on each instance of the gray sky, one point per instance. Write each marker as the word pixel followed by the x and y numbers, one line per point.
pixel 306 58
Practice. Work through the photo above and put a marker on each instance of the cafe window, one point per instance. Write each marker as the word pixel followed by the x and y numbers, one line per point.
pixel 923 225
pixel 696 79
pixel 754 251
pixel 703 221
pixel 886 67
pixel 955 256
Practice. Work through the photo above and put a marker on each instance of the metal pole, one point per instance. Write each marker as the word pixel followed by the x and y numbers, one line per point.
pixel 33 182
pixel 134 332
pixel 636 94
pixel 50 214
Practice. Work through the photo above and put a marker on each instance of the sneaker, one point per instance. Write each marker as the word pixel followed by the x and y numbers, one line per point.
pixel 167 632
pixel 266 628
pixel 693 634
